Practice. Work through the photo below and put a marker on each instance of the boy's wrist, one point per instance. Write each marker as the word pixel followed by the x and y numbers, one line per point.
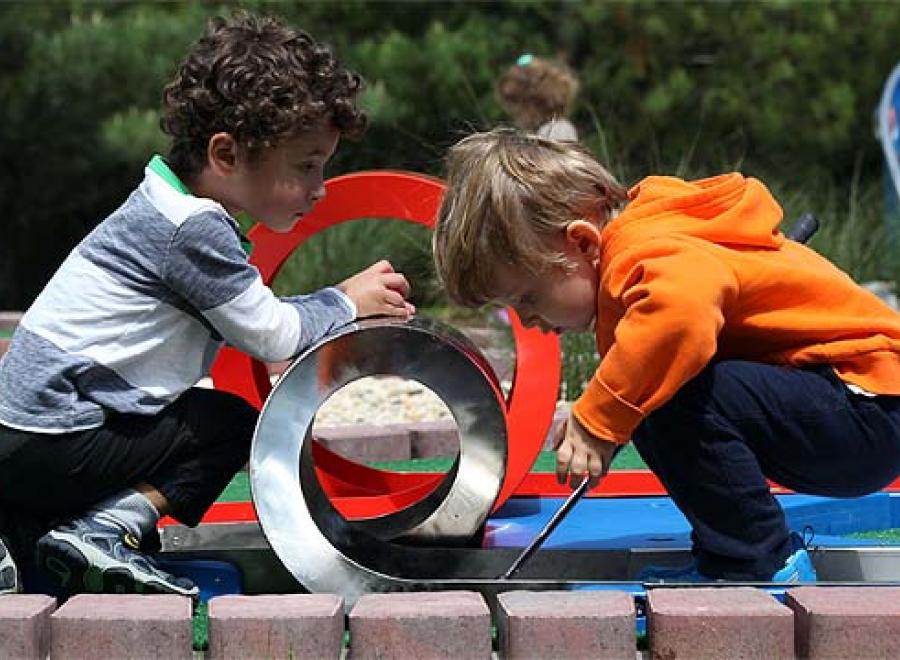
pixel 347 300
pixel 596 415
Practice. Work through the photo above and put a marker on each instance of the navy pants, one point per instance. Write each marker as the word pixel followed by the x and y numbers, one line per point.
pixel 715 442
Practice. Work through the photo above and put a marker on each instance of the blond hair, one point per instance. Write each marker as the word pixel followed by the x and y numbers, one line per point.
pixel 537 91
pixel 510 196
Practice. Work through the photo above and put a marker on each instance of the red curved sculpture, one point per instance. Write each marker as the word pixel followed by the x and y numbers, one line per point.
pixel 532 401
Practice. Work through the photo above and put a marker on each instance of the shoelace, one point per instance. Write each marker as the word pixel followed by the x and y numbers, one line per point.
pixel 806 540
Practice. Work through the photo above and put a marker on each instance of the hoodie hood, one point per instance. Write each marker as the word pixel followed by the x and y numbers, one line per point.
pixel 729 209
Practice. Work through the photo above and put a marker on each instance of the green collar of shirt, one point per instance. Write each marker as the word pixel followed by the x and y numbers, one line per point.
pixel 159 167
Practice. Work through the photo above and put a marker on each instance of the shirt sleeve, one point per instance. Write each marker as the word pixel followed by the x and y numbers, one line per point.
pixel 207 267
pixel 675 296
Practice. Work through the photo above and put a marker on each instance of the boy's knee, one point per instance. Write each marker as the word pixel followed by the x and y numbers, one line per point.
pixel 246 414
pixel 228 407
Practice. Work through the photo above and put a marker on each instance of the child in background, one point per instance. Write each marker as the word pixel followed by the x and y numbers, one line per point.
pixel 101 429
pixel 538 94
pixel 728 353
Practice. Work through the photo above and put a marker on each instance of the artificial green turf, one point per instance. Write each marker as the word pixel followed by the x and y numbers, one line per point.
pixel 628 459
pixel 239 488
pixel 201 627
pixel 890 536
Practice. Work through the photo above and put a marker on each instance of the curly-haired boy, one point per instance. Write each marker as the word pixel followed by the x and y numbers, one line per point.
pixel 729 353
pixel 101 429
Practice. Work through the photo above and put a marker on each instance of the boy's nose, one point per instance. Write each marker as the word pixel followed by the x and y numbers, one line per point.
pixel 318 194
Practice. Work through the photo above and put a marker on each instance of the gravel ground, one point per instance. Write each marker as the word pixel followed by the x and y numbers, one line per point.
pixel 382 400
pixel 378 400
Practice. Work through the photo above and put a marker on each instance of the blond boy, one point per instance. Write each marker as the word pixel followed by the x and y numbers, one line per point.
pixel 728 353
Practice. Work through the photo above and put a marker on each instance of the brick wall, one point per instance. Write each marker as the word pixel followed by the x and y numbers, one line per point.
pixel 726 622
pixel 400 442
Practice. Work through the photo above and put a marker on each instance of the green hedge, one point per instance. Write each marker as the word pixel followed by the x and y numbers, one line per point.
pixel 782 89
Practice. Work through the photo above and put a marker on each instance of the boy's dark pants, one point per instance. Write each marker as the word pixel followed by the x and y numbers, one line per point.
pixel 189 452
pixel 735 424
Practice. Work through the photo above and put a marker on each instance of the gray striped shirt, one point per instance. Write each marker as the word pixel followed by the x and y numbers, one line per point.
pixel 137 312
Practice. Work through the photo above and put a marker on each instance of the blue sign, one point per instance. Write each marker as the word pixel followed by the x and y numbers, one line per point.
pixel 889 135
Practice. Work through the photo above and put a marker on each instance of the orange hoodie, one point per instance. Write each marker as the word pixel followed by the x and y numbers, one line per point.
pixel 692 271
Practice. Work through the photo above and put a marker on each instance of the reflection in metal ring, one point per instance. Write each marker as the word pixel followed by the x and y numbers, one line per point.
pixel 320 548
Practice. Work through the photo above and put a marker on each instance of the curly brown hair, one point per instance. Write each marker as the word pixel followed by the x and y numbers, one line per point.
pixel 259 81
pixel 537 91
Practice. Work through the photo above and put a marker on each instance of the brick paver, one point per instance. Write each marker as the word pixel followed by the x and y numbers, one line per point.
pixel 846 622
pixel 437 438
pixel 388 442
pixel 25 625
pixel 455 625
pixel 726 622
pixel 291 626
pixel 566 624
pixel 91 626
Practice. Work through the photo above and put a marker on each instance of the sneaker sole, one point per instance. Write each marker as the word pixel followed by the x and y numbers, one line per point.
pixel 9 576
pixel 79 567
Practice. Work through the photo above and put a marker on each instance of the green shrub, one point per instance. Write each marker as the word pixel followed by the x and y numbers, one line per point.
pixel 784 90
pixel 332 255
pixel 579 362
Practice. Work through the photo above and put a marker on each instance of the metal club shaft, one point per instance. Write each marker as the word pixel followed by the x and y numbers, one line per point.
pixel 570 501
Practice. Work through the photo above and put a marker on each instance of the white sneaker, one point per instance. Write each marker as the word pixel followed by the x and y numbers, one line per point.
pixel 9 575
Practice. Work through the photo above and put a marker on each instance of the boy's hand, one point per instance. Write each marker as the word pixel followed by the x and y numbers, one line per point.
pixel 378 290
pixel 578 452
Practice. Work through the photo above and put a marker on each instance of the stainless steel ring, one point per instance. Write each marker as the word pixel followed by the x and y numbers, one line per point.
pixel 320 548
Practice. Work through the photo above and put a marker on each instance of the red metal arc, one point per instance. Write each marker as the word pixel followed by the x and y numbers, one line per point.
pixel 530 406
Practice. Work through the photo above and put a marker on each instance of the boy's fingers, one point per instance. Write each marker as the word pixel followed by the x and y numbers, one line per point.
pixel 595 467
pixel 396 282
pixel 576 479
pixel 578 466
pixel 393 299
pixel 383 266
pixel 563 457
pixel 404 310
pixel 393 304
pixel 560 435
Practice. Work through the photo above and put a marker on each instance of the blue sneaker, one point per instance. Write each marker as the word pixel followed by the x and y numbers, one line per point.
pixel 86 555
pixel 9 575
pixel 798 568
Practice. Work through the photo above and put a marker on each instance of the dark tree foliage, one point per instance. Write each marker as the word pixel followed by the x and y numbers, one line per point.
pixel 783 89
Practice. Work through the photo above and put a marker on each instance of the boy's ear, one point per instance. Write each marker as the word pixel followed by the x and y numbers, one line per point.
pixel 585 237
pixel 222 154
